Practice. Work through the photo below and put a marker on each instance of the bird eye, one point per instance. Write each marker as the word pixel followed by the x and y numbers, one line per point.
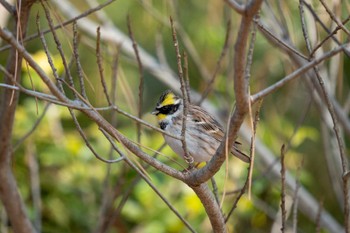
pixel 165 109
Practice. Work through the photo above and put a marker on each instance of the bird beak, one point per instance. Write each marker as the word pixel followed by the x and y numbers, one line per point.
pixel 155 112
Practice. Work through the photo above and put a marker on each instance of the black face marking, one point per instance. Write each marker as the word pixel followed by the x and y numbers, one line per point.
pixel 168 109
pixel 163 125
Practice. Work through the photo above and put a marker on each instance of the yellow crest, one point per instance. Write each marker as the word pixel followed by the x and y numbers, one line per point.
pixel 168 99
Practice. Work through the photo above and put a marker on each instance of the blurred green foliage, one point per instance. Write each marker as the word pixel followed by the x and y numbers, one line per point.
pixel 73 183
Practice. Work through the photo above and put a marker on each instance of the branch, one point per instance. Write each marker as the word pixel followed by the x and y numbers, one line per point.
pixel 297 73
pixel 241 94
pixel 212 208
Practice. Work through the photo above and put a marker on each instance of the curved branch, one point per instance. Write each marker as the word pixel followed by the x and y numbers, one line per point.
pixel 241 94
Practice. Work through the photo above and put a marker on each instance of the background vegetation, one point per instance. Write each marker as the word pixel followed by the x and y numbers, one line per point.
pixel 65 188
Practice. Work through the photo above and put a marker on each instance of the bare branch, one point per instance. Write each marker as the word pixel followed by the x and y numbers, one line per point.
pixel 77 61
pixel 188 158
pixel 283 191
pixel 298 73
pixel 334 18
pixel 100 66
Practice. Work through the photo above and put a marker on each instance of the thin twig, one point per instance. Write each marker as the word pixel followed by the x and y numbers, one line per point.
pixel 252 147
pixel 256 117
pixel 297 73
pixel 34 127
pixel 187 78
pixel 283 191
pixel 248 182
pixel 329 33
pixel 48 55
pixel 334 18
pixel 114 76
pixel 87 143
pixel 281 42
pixel 59 47
pixel 188 158
pixel 303 25
pixel 100 66
pixel 77 61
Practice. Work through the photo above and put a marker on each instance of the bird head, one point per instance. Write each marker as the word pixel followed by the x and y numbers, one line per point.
pixel 168 105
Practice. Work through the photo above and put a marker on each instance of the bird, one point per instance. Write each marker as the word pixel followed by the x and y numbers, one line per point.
pixel 203 133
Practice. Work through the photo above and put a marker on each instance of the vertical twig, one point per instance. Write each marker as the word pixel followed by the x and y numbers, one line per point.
pixel 114 77
pixel 100 65
pixel 48 56
pixel 59 48
pixel 283 190
pixel 248 182
pixel 187 78
pixel 256 117
pixel 77 60
pixel 141 83
pixel 188 158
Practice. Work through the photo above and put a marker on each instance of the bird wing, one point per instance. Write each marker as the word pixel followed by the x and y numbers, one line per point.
pixel 204 120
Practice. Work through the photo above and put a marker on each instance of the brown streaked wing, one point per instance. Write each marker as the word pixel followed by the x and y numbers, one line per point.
pixel 209 124
pixel 204 120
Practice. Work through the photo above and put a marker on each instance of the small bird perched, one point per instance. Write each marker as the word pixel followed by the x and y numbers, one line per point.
pixel 203 133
